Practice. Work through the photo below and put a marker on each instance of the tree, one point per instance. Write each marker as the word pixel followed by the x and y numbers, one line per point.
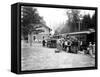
pixel 30 20
pixel 86 22
pixel 93 21
pixel 75 20
pixel 71 24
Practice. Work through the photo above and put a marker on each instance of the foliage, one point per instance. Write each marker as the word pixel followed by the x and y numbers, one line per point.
pixel 75 19
pixel 30 21
pixel 88 22
pixel 71 24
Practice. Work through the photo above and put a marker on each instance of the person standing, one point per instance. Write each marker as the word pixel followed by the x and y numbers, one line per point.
pixel 66 43
pixel 58 45
pixel 69 45
pixel 66 46
pixel 90 48
pixel 94 48
pixel 43 42
pixel 80 46
pixel 62 43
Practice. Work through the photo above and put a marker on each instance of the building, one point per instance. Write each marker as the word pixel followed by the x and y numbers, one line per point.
pixel 42 35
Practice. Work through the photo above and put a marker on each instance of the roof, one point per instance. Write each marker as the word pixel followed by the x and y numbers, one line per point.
pixel 46 27
pixel 80 32
pixel 43 26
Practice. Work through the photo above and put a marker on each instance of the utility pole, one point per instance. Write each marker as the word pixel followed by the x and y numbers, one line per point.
pixel 79 25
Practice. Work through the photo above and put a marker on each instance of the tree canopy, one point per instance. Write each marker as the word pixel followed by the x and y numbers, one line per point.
pixel 88 22
pixel 71 24
pixel 30 21
pixel 77 22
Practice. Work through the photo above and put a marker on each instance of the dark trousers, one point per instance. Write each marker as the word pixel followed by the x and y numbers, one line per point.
pixel 69 48
pixel 43 43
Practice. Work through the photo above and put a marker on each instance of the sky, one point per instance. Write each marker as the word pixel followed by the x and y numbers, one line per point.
pixel 54 17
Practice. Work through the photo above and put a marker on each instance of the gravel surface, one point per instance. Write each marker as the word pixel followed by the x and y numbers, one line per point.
pixel 37 57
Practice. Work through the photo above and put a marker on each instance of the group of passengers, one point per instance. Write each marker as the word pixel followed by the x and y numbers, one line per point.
pixel 69 45
pixel 64 44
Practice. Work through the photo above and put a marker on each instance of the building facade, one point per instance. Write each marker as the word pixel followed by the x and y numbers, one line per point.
pixel 43 35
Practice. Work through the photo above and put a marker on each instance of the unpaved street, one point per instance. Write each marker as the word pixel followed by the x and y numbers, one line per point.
pixel 37 57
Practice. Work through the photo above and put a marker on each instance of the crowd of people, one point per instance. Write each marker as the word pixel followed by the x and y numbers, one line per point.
pixel 64 44
pixel 91 48
pixel 73 45
pixel 68 44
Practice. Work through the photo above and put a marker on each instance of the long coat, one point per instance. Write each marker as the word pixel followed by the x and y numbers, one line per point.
pixel 59 45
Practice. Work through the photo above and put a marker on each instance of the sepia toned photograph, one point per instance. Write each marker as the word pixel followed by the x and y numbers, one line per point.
pixel 57 38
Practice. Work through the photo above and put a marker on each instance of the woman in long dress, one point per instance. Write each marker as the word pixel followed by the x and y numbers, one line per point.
pixel 59 46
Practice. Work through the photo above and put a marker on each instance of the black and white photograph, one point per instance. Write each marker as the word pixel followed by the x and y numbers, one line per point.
pixel 57 38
